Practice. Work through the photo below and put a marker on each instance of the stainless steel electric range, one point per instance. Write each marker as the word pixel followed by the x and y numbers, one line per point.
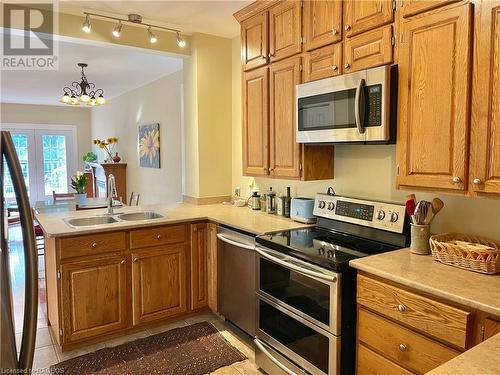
pixel 306 291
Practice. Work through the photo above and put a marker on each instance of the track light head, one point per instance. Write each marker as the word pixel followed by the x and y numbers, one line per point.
pixel 152 37
pixel 180 42
pixel 86 24
pixel 117 30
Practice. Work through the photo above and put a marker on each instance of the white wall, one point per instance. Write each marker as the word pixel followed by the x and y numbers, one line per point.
pixel 53 115
pixel 156 102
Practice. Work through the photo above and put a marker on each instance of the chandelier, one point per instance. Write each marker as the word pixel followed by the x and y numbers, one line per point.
pixel 83 92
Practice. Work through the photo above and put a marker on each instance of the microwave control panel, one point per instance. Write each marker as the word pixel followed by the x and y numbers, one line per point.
pixel 374 105
pixel 379 215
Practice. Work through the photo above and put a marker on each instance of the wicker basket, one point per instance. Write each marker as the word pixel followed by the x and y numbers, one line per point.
pixel 469 252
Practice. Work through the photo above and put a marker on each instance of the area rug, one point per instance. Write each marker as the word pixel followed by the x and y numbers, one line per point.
pixel 193 350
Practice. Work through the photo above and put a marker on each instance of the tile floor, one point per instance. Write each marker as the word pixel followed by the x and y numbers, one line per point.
pixel 48 353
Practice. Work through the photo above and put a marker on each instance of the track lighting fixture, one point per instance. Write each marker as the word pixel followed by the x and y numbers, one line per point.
pixel 86 24
pixel 117 29
pixel 133 19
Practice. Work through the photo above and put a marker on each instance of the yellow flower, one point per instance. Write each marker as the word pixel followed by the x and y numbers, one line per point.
pixel 115 140
pixel 101 145
pixel 109 140
pixel 96 141
pixel 149 145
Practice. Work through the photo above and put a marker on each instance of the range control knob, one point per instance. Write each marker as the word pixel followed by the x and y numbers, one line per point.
pixel 321 251
pixel 331 206
pixel 330 254
pixel 394 217
pixel 321 204
pixel 381 215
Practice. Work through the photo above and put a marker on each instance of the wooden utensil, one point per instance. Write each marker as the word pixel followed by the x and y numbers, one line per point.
pixel 437 205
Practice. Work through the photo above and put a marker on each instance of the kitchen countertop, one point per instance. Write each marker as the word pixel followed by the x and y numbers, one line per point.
pixel 481 359
pixel 423 273
pixel 243 218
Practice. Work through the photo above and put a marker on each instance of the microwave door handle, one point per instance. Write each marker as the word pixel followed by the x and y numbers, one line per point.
pixel 359 106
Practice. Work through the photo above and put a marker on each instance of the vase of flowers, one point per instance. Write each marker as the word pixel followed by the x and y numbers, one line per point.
pixel 108 146
pixel 79 183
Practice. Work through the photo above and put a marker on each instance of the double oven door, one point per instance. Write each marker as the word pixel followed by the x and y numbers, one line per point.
pixel 297 312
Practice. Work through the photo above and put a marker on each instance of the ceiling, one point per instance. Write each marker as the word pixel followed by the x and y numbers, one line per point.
pixel 114 68
pixel 209 17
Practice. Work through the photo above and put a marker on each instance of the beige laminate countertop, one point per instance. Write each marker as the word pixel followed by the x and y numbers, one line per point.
pixel 243 218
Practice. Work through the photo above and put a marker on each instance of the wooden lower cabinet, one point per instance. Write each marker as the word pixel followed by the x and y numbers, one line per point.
pixel 94 297
pixel 159 283
pixel 212 267
pixel 371 363
pixel 491 328
pixel 199 287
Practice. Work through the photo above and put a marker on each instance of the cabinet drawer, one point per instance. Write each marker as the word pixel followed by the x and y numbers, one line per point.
pixel 157 236
pixel 402 345
pixel 370 363
pixel 92 244
pixel 423 314
pixel 323 62
pixel 368 50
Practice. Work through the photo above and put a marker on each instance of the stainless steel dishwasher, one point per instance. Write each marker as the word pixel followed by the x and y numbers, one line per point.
pixel 236 277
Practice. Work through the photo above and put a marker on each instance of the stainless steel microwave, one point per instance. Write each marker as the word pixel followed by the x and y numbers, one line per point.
pixel 352 107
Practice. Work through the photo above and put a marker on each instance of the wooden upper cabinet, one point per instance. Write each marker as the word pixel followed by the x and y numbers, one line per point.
pixel 159 283
pixel 254 41
pixel 199 260
pixel 285 30
pixel 285 158
pixel 256 122
pixel 322 23
pixel 412 7
pixel 367 50
pixel 364 15
pixel 323 62
pixel 434 99
pixel 94 297
pixel 485 135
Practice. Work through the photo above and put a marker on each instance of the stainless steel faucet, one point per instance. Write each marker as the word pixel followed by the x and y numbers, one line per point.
pixel 110 193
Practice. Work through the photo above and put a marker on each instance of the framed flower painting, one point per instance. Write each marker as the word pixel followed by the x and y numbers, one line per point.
pixel 149 146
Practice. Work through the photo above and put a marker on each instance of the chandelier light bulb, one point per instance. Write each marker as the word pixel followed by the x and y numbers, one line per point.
pixel 180 42
pixel 74 100
pixel 117 30
pixel 101 100
pixel 65 98
pixel 86 24
pixel 152 37
pixel 84 98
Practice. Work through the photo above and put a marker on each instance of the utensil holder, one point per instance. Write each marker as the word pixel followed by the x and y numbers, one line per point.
pixel 420 235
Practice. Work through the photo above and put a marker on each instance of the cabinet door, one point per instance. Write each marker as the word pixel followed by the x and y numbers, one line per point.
pixel 159 282
pixel 491 328
pixel 199 260
pixel 323 62
pixel 285 30
pixel 322 23
pixel 485 134
pixel 94 297
pixel 364 15
pixel 411 7
pixel 254 43
pixel 284 151
pixel 434 96
pixel 256 122
pixel 212 267
pixel 368 50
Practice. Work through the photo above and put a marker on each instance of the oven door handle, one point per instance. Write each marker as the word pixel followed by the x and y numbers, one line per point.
pixel 261 347
pixel 234 243
pixel 305 271
pixel 359 107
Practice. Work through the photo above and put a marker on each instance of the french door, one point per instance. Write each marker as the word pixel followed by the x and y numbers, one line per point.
pixel 47 158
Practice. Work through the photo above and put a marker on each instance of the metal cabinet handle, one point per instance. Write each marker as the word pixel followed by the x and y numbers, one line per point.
pixel 347 66
pixel 93 244
pixel 158 236
pixel 477 181
pixel 347 27
pixel 135 260
pixel 403 347
pixel 335 67
pixel 123 262
pixel 456 179
pixel 401 307
pixel 335 32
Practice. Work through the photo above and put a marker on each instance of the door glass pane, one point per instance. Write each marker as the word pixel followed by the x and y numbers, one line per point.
pixel 55 173
pixel 304 293
pixel 21 145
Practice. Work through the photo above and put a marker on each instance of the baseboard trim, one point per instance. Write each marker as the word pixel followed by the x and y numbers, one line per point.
pixel 206 200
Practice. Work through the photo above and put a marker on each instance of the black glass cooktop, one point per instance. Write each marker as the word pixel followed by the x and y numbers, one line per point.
pixel 324 247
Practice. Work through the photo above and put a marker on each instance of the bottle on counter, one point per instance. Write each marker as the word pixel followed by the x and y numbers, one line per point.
pixel 255 201
pixel 263 203
pixel 288 202
pixel 271 201
pixel 280 205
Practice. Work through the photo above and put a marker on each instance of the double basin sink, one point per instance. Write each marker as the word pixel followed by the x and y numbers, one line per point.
pixel 110 219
